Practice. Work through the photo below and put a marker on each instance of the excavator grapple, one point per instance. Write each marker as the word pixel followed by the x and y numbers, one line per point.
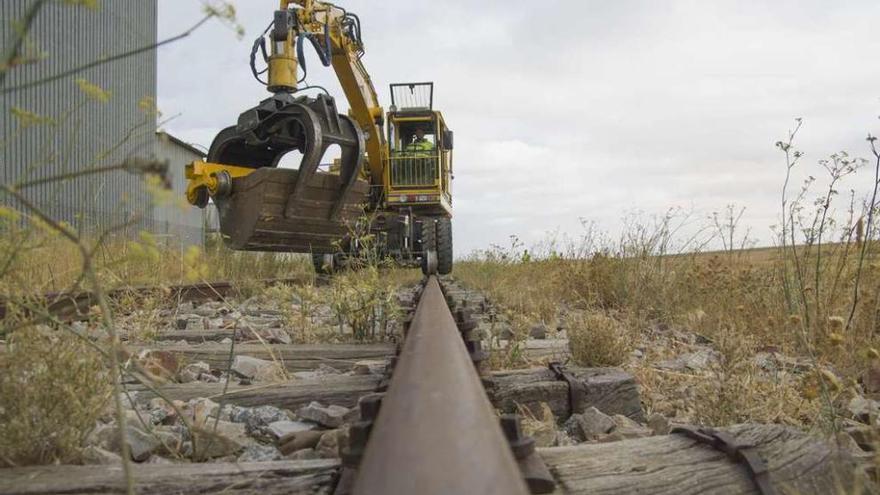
pixel 280 209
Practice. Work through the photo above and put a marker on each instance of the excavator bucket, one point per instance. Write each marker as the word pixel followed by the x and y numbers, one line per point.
pixel 279 209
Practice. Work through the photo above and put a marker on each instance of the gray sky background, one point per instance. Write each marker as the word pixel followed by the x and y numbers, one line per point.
pixel 570 110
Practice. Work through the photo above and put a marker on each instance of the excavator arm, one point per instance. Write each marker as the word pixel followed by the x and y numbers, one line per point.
pixel 338 32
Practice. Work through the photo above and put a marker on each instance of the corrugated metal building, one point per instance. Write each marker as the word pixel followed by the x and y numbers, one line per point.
pixel 100 116
pixel 178 222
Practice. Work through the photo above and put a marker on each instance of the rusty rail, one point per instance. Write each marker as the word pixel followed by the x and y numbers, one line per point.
pixel 68 306
pixel 436 431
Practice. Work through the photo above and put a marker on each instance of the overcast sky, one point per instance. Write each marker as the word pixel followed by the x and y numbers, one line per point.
pixel 570 110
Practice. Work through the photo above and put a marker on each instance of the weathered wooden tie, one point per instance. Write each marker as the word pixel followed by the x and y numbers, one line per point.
pixel 669 464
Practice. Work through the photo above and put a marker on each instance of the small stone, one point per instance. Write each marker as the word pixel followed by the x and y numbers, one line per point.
pixel 203 409
pixel 303 455
pixel 293 442
pixel 538 331
pixel 694 361
pixel 252 368
pixel 765 361
pixel 96 455
pixel 170 441
pixel 331 416
pixel 259 453
pixel 626 428
pixel 226 341
pixel 141 445
pixel 162 416
pixel 589 425
pixel 236 414
pixel 192 372
pixel 163 364
pixel 331 443
pixel 208 378
pixel 259 419
pixel 658 424
pixel 863 409
pixel 211 444
pixel 280 429
pixel 368 367
pixel 266 334
pixel 563 439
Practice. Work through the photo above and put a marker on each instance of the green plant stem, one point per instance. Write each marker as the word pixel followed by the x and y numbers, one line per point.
pixel 867 240
pixel 15 47
pixel 107 321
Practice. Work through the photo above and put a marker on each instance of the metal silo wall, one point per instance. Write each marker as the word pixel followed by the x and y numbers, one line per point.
pixel 84 132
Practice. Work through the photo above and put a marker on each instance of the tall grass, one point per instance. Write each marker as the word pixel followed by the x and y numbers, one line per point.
pixel 815 294
pixel 36 261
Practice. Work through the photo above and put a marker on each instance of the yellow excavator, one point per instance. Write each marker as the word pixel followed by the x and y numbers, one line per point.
pixel 391 182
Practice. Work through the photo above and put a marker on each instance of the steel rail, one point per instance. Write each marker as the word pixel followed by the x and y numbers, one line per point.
pixel 436 432
pixel 68 306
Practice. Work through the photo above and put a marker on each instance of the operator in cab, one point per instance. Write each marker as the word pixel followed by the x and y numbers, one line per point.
pixel 420 143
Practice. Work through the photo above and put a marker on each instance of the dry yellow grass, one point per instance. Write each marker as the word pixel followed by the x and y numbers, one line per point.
pixel 53 388
pixel 743 302
pixel 597 339
pixel 36 261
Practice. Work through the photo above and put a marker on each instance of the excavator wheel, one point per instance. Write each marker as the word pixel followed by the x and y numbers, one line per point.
pixel 444 245
pixel 428 237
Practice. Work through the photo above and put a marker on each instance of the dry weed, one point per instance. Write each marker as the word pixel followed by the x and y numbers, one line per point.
pixel 53 388
pixel 597 339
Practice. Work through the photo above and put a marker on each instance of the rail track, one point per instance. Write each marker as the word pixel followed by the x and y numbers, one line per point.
pixel 72 306
pixel 436 420
pixel 435 382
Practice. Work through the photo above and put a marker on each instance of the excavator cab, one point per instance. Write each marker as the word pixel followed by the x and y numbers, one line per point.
pixel 419 164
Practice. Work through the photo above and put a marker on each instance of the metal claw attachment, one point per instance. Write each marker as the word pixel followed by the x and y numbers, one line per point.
pixel 280 209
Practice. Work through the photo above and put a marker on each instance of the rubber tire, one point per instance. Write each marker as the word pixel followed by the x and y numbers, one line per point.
pixel 428 240
pixel 444 245
pixel 201 197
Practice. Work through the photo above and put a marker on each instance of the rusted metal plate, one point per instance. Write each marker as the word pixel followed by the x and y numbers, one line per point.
pixel 262 214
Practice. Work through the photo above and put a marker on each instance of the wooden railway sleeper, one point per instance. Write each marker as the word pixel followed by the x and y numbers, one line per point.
pixel 745 455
